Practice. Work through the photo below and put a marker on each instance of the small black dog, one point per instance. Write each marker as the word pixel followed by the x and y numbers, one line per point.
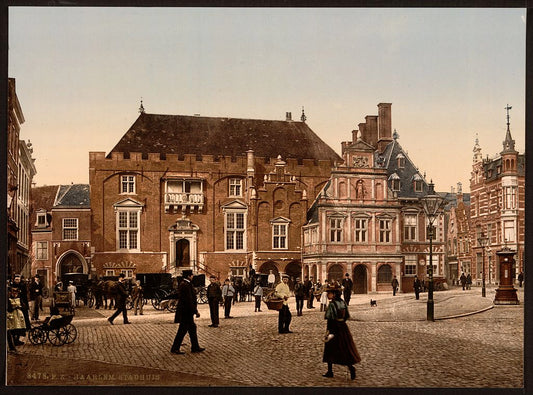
pixel 373 303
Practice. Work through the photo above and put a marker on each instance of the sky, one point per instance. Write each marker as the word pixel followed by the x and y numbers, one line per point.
pixel 449 74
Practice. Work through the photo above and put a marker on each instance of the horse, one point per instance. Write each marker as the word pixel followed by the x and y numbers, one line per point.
pixel 104 290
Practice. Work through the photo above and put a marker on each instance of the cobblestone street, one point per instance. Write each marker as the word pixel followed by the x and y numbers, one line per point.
pixel 399 348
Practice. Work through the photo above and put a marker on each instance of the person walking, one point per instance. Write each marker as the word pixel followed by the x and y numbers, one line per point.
pixel 271 279
pixel 310 292
pixel 347 286
pixel 258 295
pixel 214 297
pixel 339 347
pixel 395 285
pixel 227 293
pixel 520 278
pixel 185 312
pixel 284 318
pixel 463 280
pixel 137 297
pixel 120 300
pixel 468 281
pixel 299 294
pixel 36 294
pixel 417 286
pixel 71 289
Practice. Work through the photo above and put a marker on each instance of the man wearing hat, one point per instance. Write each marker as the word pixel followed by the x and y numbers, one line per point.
pixel 214 297
pixel 283 292
pixel 120 301
pixel 36 294
pixel 299 294
pixel 347 286
pixel 185 312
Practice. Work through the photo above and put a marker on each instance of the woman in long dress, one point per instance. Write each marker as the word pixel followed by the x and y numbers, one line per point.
pixel 15 325
pixel 339 347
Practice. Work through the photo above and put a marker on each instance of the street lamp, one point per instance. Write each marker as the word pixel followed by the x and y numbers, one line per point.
pixel 483 241
pixel 432 205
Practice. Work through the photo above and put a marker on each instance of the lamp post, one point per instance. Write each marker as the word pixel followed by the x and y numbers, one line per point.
pixel 432 204
pixel 483 241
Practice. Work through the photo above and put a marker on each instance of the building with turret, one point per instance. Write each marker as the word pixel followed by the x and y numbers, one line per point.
pixel 497 210
pixel 215 195
pixel 368 221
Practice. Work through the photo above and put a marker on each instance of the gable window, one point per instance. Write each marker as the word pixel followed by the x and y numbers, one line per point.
pixel 279 236
pixel 127 184
pixel 361 229
pixel 409 227
pixel 235 230
pixel 41 220
pixel 235 187
pixel 335 225
pixel 385 230
pixel 41 250
pixel 70 228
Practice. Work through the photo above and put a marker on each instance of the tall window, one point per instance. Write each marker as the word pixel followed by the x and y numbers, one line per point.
pixel 279 236
pixel 361 229
pixel 70 228
pixel 385 230
pixel 235 187
pixel 509 231
pixel 409 227
pixel 335 225
pixel 410 265
pixel 235 231
pixel 128 229
pixel 41 250
pixel 384 274
pixel 127 184
pixel 510 197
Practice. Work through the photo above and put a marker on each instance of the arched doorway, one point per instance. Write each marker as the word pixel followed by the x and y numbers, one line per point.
pixel 267 267
pixel 70 263
pixel 293 270
pixel 360 279
pixel 182 253
pixel 335 273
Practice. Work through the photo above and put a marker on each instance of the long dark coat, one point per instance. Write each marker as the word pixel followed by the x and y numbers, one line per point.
pixel 341 349
pixel 187 306
pixel 122 295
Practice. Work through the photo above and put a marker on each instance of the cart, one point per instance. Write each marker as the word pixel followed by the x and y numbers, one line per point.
pixel 62 299
pixel 58 332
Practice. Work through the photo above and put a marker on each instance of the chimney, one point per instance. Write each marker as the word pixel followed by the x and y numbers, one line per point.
pixel 288 116
pixel 384 121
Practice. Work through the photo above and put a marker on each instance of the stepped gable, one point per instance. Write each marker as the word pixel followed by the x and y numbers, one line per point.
pixel 73 196
pixel 230 137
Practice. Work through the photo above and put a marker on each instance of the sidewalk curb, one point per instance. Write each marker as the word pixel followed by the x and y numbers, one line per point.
pixel 464 314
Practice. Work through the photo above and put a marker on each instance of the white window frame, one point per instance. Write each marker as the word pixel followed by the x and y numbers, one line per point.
pixel 280 234
pixel 72 226
pixel 509 231
pixel 385 232
pixel 127 272
pixel 41 221
pixel 41 250
pixel 127 184
pixel 360 229
pixel 109 272
pixel 336 225
pixel 410 265
pixel 410 228
pixel 235 187
pixel 233 233
pixel 128 228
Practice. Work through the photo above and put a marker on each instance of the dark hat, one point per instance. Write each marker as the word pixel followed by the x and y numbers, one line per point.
pixel 186 273
pixel 333 287
pixel 347 274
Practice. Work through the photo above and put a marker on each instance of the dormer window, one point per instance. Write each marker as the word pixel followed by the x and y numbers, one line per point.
pixel 394 182
pixel 418 183
pixel 400 160
pixel 42 221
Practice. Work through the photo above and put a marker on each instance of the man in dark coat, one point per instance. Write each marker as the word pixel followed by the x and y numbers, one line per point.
pixel 395 285
pixel 185 312
pixel 463 280
pixel 214 297
pixel 520 279
pixel 299 293
pixel 120 301
pixel 417 286
pixel 347 286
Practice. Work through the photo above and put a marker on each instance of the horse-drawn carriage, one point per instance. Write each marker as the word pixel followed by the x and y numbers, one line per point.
pixel 170 301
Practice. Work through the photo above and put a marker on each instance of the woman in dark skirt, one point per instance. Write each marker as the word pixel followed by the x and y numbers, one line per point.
pixel 339 347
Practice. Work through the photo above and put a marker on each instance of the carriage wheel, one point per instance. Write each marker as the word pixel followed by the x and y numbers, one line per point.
pixel 156 300
pixel 36 335
pixel 172 305
pixel 201 296
pixel 57 336
pixel 71 333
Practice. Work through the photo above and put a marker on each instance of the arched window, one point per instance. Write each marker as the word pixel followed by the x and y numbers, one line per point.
pixel 384 274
